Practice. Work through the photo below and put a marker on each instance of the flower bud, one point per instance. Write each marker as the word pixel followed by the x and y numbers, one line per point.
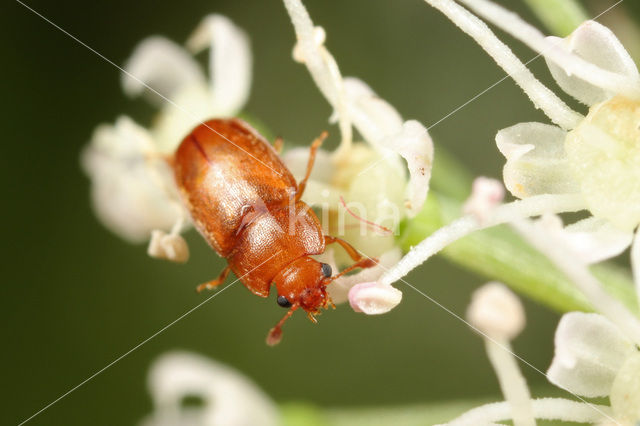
pixel 496 311
pixel 168 246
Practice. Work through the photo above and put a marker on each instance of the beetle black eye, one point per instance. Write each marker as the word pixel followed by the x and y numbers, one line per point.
pixel 326 270
pixel 283 301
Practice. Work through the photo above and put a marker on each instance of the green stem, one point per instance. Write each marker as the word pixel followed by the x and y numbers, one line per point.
pixel 561 17
pixel 302 414
pixel 437 412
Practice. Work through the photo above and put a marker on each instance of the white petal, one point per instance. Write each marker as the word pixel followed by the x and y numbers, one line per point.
pixel 414 144
pixel 162 65
pixel 229 62
pixel 596 44
pixel 381 125
pixel 132 186
pixel 374 298
pixel 339 289
pixel 595 240
pixel 604 157
pixel 228 397
pixel 374 118
pixel 190 106
pixel 625 392
pixel 590 240
pixel 536 161
pixel 496 311
pixel 589 351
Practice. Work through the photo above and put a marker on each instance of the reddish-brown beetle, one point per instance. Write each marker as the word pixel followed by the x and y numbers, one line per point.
pixel 247 205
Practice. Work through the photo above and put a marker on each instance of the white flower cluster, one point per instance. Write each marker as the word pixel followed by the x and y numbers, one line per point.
pixel 222 396
pixel 133 189
pixel 590 163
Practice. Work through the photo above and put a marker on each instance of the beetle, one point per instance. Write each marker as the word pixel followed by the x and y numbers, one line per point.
pixel 247 205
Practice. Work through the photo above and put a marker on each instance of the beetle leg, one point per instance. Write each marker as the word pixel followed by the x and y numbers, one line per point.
pixel 361 260
pixel 277 144
pixel 214 283
pixel 312 158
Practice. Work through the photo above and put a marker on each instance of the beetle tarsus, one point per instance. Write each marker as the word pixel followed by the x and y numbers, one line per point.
pixel 210 285
pixel 275 334
pixel 278 144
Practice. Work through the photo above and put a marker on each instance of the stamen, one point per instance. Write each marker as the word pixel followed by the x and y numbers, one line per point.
pixel 532 206
pixel 561 255
pixel 543 409
pixel 321 65
pixel 572 64
pixel 539 94
pixel 499 315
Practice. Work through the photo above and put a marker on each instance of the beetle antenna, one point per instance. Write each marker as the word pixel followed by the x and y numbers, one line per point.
pixel 275 334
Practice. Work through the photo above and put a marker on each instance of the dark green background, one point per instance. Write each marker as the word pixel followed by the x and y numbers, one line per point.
pixel 75 297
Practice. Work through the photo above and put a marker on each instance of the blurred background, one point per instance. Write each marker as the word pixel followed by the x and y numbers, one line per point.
pixel 75 297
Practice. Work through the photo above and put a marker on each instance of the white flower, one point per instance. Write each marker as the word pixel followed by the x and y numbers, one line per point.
pixel 225 397
pixel 595 354
pixel 597 156
pixel 594 358
pixel 133 189
pixel 364 189
pixel 585 163
pixel 589 351
pixel 588 162
pixel 132 186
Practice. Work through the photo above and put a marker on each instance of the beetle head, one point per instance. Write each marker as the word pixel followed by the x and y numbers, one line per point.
pixel 301 284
